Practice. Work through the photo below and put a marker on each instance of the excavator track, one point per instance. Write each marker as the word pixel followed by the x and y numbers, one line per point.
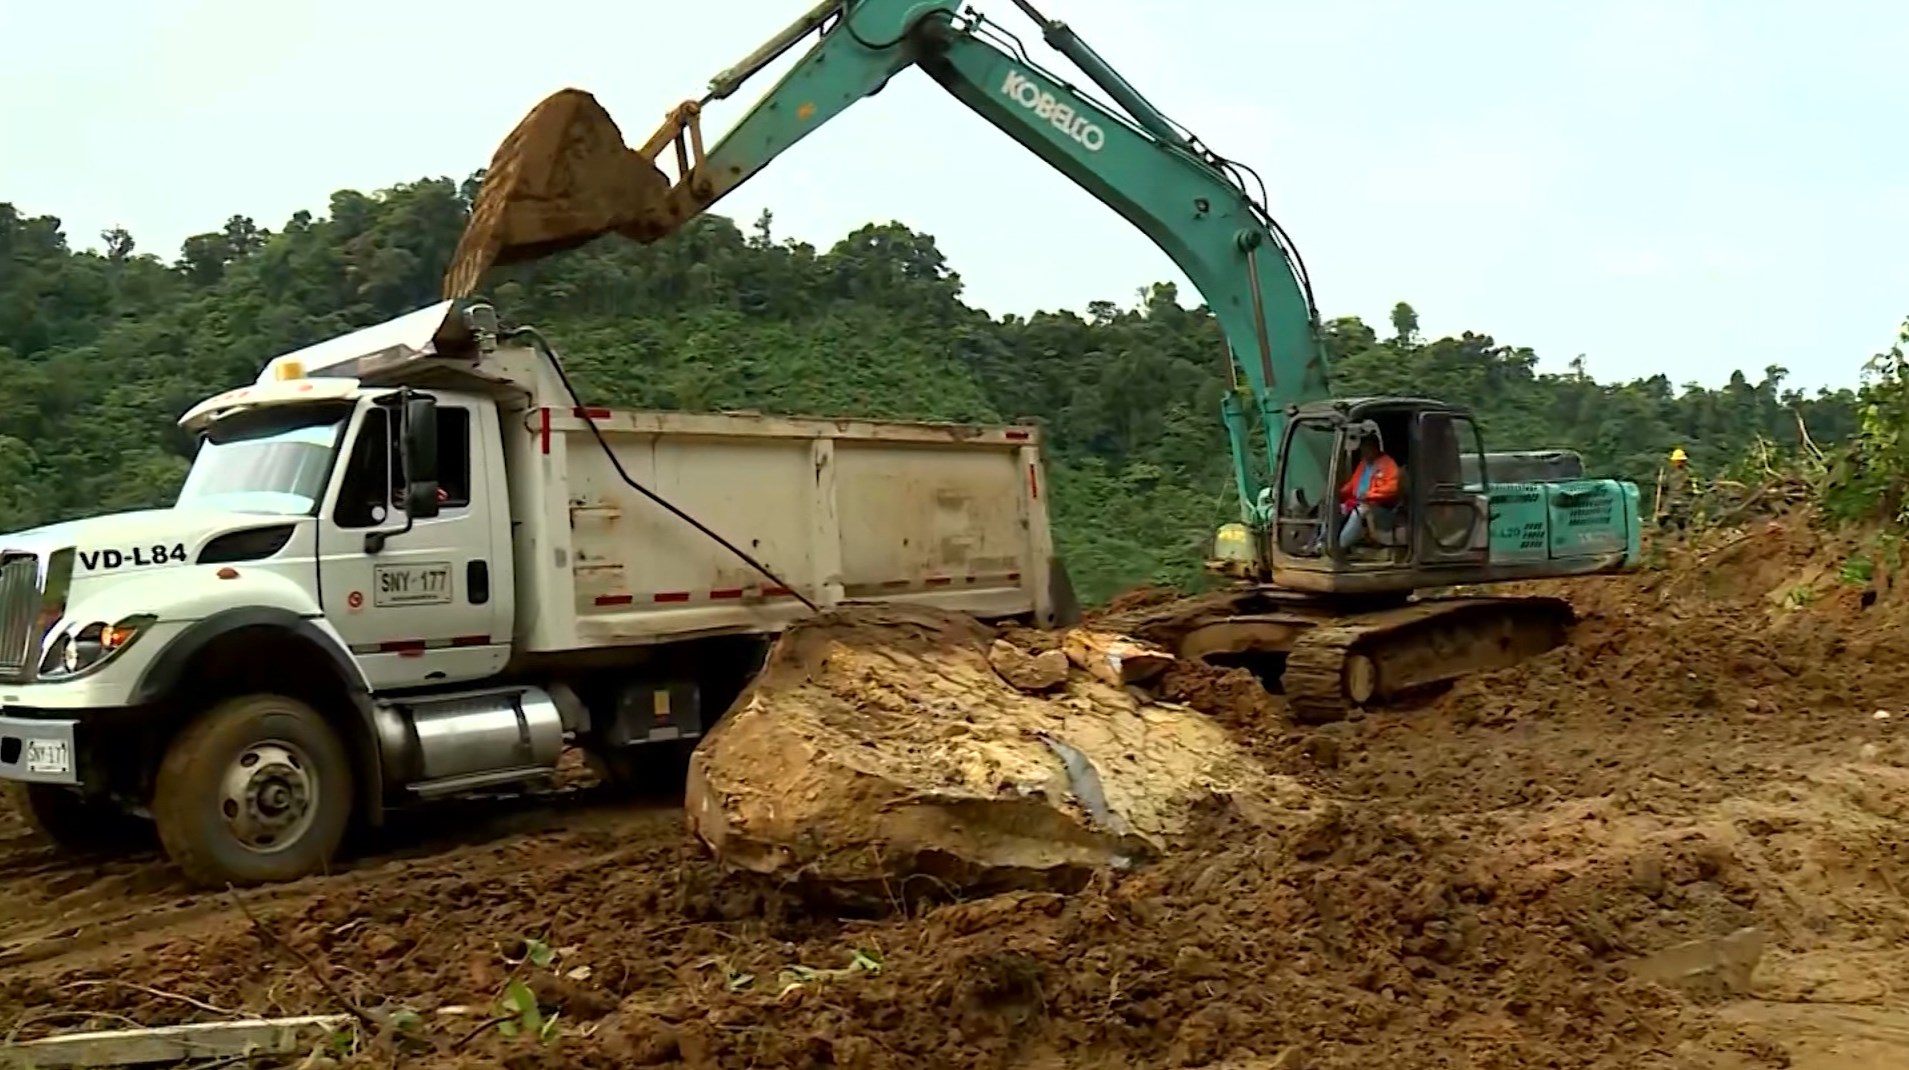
pixel 1355 662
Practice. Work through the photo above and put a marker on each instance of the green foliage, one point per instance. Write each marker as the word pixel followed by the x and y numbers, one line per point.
pixel 520 1016
pixel 1858 570
pixel 799 976
pixel 1868 477
pixel 1862 480
pixel 103 351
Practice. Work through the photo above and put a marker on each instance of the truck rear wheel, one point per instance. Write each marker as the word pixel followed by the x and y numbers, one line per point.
pixel 257 789
pixel 71 822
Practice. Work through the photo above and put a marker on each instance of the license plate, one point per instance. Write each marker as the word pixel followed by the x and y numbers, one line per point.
pixel 424 584
pixel 48 758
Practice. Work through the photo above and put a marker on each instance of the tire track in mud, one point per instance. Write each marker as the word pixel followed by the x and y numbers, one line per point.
pixel 61 911
pixel 57 904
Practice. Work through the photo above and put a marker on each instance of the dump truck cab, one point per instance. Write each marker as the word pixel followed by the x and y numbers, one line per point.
pixel 409 563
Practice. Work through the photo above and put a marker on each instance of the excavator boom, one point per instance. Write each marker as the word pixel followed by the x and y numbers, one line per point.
pixel 564 177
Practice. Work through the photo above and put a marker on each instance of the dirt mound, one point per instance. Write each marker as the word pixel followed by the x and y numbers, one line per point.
pixel 1140 598
pixel 881 745
pixel 1334 946
pixel 1680 687
pixel 1807 858
pixel 1322 948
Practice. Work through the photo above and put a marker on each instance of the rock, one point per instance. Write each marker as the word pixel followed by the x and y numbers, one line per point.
pixel 1115 659
pixel 880 745
pixel 1705 970
pixel 1323 749
pixel 1033 673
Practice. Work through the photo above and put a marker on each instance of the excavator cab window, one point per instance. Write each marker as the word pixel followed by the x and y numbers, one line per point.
pixel 1387 539
pixel 1437 518
pixel 1306 494
pixel 1453 511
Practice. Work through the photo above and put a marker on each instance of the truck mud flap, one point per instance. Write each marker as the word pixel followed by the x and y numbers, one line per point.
pixel 1060 594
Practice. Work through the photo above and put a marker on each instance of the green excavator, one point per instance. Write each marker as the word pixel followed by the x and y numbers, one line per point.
pixel 1336 615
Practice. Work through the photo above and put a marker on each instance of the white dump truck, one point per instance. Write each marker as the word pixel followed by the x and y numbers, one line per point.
pixel 410 563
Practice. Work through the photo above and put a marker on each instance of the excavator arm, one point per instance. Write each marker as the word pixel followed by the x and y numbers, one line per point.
pixel 1333 621
pixel 564 177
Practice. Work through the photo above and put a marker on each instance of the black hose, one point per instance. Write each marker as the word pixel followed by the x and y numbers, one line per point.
pixel 550 355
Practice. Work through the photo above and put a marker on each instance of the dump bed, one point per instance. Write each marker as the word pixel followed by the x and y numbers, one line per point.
pixel 838 510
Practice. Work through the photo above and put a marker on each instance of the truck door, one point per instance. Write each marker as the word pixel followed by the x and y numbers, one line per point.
pixel 418 610
pixel 1452 518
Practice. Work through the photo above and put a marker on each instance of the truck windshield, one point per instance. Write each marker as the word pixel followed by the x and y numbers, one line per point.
pixel 273 460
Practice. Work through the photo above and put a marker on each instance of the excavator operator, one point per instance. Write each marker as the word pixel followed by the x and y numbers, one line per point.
pixel 1369 497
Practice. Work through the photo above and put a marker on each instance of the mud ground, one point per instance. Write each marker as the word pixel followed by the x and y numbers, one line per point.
pixel 1561 867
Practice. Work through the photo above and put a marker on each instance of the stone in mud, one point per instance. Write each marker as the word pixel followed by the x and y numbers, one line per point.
pixel 1033 673
pixel 1706 970
pixel 879 754
pixel 1115 659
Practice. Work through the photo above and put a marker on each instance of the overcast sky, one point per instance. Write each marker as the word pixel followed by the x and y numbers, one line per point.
pixel 1660 185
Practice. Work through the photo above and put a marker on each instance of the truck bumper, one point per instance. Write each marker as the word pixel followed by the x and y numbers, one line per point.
pixel 39 751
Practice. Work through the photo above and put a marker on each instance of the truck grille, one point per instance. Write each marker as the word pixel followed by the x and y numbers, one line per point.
pixel 19 613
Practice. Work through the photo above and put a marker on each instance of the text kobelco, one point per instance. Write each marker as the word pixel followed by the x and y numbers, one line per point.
pixel 1028 94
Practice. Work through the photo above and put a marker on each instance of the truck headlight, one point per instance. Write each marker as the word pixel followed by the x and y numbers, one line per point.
pixel 83 648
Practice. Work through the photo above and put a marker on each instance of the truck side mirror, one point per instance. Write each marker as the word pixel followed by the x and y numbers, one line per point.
pixel 419 444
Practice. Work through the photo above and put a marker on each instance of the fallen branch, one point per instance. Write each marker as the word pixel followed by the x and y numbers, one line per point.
pixel 1744 506
pixel 161 993
pixel 488 1024
pixel 228 1041
pixel 37 1017
pixel 1707 556
pixel 1803 432
pixel 374 1021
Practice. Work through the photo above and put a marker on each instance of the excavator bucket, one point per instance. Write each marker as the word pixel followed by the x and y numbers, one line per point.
pixel 562 178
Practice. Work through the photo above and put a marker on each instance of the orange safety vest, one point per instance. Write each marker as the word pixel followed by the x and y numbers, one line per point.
pixel 1385 483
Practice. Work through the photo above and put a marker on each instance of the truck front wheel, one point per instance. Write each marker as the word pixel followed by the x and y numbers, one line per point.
pixel 257 789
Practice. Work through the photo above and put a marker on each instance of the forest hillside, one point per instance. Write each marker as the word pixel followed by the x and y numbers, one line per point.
pixel 102 351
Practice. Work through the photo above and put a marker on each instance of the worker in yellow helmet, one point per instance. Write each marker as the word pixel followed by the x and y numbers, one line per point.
pixel 1676 490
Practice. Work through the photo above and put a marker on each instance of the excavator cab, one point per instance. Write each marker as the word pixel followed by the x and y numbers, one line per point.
pixel 1436 516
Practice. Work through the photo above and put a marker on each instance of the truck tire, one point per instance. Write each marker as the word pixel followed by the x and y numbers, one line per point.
pixel 257 789
pixel 71 822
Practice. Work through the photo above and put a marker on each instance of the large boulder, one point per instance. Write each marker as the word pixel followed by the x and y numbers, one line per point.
pixel 879 751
